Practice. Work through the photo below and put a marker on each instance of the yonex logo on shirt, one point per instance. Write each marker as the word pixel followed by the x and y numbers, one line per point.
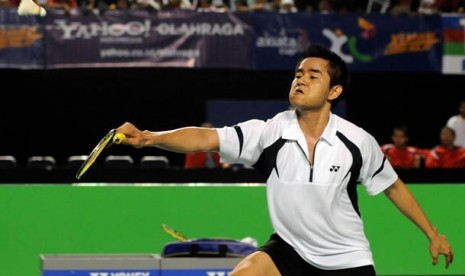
pixel 334 168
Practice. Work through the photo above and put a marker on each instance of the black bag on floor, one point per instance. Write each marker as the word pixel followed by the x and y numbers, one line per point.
pixel 208 247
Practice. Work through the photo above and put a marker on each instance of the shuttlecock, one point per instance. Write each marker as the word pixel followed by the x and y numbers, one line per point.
pixel 250 241
pixel 29 7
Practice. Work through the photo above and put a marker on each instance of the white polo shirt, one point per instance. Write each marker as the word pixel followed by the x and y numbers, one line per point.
pixel 313 208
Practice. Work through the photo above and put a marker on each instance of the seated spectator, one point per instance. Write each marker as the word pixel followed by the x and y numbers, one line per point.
pixel 199 160
pixel 457 123
pixel 399 153
pixel 446 154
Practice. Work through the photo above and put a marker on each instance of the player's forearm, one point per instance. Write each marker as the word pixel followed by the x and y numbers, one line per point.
pixel 188 139
pixel 404 200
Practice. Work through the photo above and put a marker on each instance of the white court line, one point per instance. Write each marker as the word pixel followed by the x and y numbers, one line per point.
pixel 170 184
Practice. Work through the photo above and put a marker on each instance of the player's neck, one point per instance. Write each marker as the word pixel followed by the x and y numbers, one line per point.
pixel 313 123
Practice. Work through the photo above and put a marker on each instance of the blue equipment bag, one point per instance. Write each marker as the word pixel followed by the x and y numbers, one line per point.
pixel 208 247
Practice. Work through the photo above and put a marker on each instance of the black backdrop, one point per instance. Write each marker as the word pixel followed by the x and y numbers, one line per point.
pixel 66 112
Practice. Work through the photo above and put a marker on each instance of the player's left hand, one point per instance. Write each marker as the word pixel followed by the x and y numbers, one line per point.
pixel 440 246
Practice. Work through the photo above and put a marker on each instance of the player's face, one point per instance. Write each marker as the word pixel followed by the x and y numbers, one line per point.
pixel 310 88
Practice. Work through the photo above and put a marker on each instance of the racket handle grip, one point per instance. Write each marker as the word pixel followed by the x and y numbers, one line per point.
pixel 119 137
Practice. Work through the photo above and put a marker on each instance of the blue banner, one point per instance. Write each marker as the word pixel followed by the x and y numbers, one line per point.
pixel 262 40
pixel 374 42
pixel 21 41
pixel 137 38
pixel 280 38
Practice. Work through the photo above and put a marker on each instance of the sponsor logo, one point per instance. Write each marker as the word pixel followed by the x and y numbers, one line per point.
pixel 288 42
pixel 110 32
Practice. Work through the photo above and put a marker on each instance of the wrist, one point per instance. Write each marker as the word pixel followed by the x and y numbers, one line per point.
pixel 432 233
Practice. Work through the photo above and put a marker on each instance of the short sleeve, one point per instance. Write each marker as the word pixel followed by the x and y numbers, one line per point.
pixel 377 173
pixel 240 144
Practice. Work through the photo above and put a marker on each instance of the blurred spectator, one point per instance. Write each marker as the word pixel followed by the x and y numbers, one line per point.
pixel 177 5
pixel 199 160
pixel 402 7
pixel 241 6
pixel 203 5
pixel 69 6
pixel 220 5
pixel 428 7
pixel 286 6
pixel 261 5
pixel 457 123
pixel 460 6
pixel 399 153
pixel 9 3
pixel 446 154
pixel 325 7
pixel 149 5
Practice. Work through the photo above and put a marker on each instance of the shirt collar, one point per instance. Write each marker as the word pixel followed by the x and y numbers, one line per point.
pixel 292 129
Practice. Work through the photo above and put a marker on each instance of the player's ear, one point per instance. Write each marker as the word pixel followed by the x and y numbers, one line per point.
pixel 335 92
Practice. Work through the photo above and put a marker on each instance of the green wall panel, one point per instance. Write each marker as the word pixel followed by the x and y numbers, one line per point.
pixel 66 219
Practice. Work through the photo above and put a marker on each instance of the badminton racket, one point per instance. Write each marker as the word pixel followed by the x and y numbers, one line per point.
pixel 111 138
pixel 174 233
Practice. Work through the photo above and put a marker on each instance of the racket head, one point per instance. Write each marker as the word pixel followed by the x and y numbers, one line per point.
pixel 109 139
pixel 174 233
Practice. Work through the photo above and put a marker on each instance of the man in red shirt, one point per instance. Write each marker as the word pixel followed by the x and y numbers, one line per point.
pixel 202 160
pixel 399 153
pixel 197 160
pixel 446 154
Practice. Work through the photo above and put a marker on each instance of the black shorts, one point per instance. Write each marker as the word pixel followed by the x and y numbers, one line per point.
pixel 289 263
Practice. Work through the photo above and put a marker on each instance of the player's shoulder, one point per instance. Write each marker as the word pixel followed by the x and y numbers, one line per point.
pixel 353 132
pixel 349 128
pixel 280 119
pixel 275 122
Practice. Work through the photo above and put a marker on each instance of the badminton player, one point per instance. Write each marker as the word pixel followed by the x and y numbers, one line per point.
pixel 313 161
